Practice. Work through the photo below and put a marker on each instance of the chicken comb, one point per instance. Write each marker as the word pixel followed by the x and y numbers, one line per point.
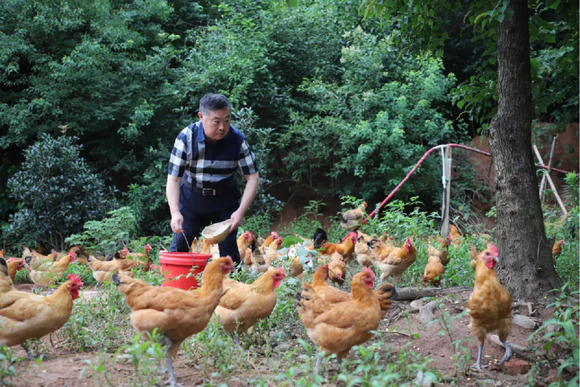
pixel 75 279
pixel 126 250
pixel 368 271
pixel 491 247
pixel 147 248
pixel 281 271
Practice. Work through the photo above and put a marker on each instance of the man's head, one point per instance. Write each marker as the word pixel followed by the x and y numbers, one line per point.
pixel 215 114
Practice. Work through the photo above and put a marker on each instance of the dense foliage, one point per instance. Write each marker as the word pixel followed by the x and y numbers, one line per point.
pixel 332 105
pixel 57 192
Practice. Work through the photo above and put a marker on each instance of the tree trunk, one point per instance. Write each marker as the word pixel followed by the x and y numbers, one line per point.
pixel 525 266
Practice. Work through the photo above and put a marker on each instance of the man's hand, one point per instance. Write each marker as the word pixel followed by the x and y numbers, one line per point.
pixel 237 219
pixel 176 223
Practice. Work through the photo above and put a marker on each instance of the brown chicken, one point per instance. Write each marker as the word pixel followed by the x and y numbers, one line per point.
pixel 397 261
pixel 362 251
pixel 46 273
pixel 102 270
pixel 242 305
pixel 26 252
pixel 26 315
pixel 329 293
pixel 436 262
pixel 14 265
pixel 337 269
pixel 385 292
pixel 344 248
pixel 490 305
pixel 557 249
pixel 352 219
pixel 127 266
pixel 245 242
pixel 336 328
pixel 268 241
pixel 175 313
pixel 456 237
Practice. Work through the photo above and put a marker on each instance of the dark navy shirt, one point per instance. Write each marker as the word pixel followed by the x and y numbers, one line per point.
pixel 209 164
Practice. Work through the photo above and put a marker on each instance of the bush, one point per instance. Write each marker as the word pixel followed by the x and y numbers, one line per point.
pixel 56 193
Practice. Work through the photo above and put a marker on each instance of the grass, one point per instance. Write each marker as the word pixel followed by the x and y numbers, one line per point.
pixel 278 349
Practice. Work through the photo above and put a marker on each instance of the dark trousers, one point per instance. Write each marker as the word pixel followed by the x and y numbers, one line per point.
pixel 199 212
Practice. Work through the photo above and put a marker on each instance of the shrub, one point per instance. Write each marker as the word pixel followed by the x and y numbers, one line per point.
pixel 56 193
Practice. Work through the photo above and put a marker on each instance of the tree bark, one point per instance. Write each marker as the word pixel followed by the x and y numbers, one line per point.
pixel 410 294
pixel 525 266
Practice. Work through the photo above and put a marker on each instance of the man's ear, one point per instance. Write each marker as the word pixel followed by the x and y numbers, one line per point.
pixel 200 115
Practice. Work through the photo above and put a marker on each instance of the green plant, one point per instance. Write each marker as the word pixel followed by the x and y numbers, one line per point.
pixel 56 193
pixel 562 332
pixel 146 356
pixel 461 354
pixel 7 362
pixel 99 322
pixel 109 234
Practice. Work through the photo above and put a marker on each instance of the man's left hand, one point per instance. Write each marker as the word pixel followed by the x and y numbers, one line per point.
pixel 237 219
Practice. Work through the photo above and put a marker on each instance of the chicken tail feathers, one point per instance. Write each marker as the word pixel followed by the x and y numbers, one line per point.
pixel 116 279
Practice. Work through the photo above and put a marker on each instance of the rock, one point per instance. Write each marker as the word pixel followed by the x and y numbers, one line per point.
pixel 525 322
pixel 517 367
pixel 416 305
pixel 426 313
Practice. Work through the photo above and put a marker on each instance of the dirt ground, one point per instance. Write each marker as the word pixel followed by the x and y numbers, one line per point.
pixel 400 328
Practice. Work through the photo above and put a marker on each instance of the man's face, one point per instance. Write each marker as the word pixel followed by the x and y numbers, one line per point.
pixel 216 124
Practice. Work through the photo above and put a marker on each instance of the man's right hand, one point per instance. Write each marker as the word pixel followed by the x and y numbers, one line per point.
pixel 176 223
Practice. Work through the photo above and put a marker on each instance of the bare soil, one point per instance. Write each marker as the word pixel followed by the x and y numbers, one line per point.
pixel 401 328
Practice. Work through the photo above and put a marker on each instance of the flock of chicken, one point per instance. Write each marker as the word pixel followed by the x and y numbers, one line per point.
pixel 335 320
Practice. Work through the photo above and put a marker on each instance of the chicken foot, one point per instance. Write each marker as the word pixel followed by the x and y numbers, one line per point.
pixel 28 351
pixel 478 367
pixel 172 381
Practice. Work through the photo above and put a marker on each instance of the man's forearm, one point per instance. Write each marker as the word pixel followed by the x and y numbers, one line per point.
pixel 252 184
pixel 172 192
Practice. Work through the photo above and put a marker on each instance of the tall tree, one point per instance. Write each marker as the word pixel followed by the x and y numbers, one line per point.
pixel 529 272
pixel 526 266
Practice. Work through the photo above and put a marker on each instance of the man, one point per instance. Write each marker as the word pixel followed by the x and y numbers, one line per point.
pixel 201 182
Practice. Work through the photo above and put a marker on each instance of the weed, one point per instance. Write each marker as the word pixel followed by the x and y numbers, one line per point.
pixel 7 362
pixel 561 331
pixel 147 358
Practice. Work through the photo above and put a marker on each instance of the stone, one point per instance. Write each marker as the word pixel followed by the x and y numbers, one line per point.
pixel 517 367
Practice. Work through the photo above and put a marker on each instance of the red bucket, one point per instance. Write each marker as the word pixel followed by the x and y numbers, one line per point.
pixel 176 269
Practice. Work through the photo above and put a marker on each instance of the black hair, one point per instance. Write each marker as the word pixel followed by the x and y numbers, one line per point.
pixel 211 102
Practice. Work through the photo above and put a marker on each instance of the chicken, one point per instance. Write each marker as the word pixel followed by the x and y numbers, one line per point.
pixel 344 248
pixel 352 219
pixel 335 328
pixel 300 255
pixel 318 238
pixel 126 266
pixel 242 305
pixel 557 249
pixel 380 250
pixel 489 306
pixel 26 252
pixel 329 293
pixel 174 312
pixel 385 292
pixel 456 237
pixel 397 261
pixel 436 262
pixel 361 251
pixel 102 270
pixel 14 265
pixel 245 243
pixel 268 241
pixel 46 273
pixel 337 268
pixel 25 315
